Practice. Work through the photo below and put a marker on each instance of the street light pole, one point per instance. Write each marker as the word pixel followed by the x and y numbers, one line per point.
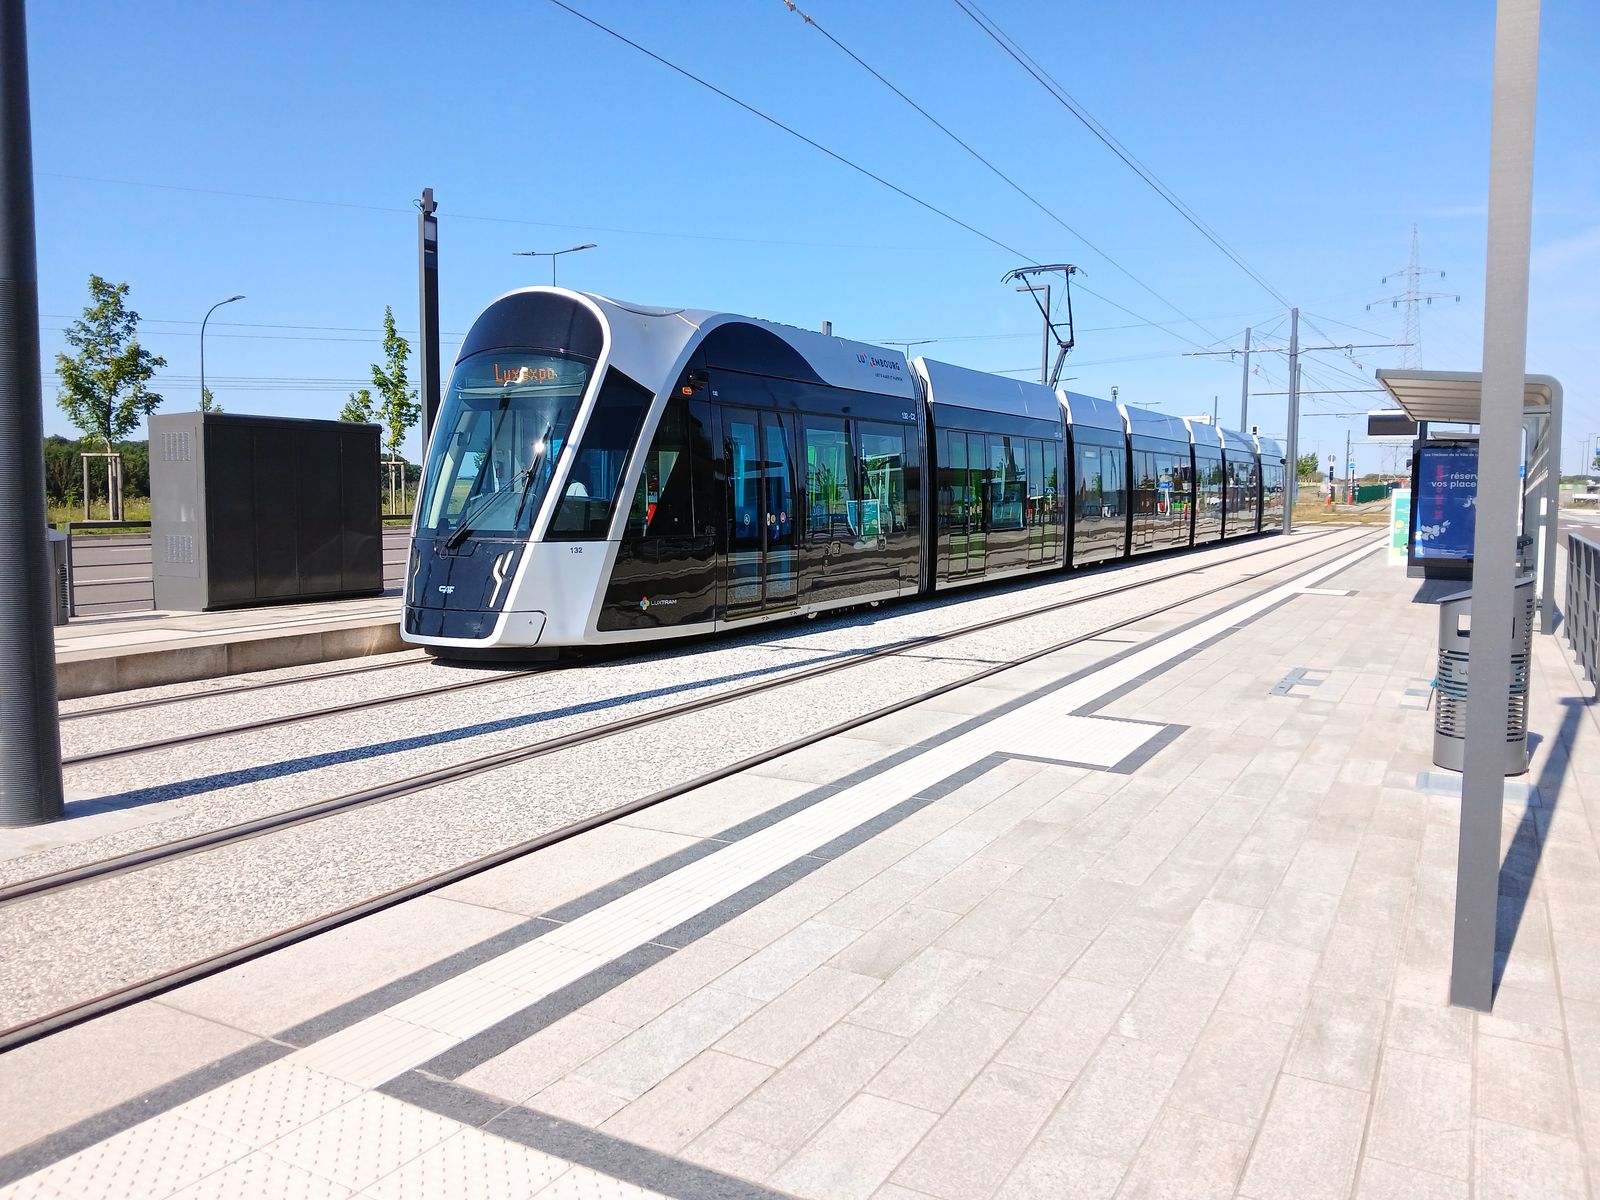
pixel 203 321
pixel 551 255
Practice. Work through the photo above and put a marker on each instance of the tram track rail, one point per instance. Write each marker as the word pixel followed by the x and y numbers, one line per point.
pixel 125 995
pixel 103 710
pixel 248 727
pixel 409 785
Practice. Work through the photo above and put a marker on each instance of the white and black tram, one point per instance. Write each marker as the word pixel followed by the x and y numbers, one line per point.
pixel 605 472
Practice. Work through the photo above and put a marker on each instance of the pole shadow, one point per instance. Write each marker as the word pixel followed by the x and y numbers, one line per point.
pixel 1521 862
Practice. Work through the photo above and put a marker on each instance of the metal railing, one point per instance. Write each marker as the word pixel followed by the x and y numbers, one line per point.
pixel 1582 617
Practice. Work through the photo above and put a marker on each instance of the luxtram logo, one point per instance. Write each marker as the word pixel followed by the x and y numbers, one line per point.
pixel 872 360
pixel 645 602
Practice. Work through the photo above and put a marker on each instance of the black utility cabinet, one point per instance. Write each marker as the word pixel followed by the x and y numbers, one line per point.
pixel 262 510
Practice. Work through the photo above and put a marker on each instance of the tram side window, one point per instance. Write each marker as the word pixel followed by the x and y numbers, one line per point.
pixel 831 510
pixel 883 479
pixel 1099 481
pixel 591 486
pixel 1006 483
pixel 663 503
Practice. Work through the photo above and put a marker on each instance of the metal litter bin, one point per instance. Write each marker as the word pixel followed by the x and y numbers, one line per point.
pixel 1450 710
pixel 59 548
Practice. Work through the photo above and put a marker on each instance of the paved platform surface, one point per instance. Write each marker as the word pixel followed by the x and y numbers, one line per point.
pixel 1165 915
pixel 115 652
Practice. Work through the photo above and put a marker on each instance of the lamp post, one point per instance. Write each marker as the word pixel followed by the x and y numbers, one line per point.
pixel 552 255
pixel 203 321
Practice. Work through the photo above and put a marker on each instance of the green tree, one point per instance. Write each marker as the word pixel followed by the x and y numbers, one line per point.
pixel 103 388
pixel 358 408
pixel 208 402
pixel 1307 466
pixel 398 408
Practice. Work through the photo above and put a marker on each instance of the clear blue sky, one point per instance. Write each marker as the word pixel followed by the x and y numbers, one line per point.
pixel 199 151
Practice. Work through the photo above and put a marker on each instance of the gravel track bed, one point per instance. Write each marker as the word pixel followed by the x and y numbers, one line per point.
pixel 66 947
pixel 207 786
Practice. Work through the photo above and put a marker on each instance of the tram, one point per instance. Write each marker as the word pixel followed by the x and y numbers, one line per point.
pixel 605 472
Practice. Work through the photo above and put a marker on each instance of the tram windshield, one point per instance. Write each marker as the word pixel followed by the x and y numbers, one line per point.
pixel 501 432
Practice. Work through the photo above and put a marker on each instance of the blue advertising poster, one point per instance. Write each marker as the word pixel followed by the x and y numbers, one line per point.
pixel 1446 501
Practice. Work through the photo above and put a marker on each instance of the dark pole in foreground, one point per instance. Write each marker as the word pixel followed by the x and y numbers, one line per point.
pixel 428 303
pixel 30 732
pixel 1494 571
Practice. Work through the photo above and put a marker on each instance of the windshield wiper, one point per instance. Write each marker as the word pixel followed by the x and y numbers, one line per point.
pixel 527 484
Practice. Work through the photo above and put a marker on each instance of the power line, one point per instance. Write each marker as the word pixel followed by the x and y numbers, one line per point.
pixel 791 131
pixel 378 208
pixel 1010 182
pixel 839 158
pixel 1004 41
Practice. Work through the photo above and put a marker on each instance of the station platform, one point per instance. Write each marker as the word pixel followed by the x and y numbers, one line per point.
pixel 120 651
pixel 1164 914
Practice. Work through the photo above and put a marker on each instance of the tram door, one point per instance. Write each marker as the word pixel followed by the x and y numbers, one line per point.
pixel 963 504
pixel 1146 493
pixel 759 566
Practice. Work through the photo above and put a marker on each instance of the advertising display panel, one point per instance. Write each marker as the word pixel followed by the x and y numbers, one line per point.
pixel 1444 508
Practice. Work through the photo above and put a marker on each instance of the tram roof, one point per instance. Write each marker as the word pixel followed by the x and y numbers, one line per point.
pixel 1144 423
pixel 1093 412
pixel 962 387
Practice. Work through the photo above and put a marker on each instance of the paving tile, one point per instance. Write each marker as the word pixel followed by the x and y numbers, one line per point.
pixel 770 972
pixel 977 1141
pixel 1389 1181
pixel 297 983
pixel 1422 1113
pixel 1308 1143
pixel 1339 1039
pixel 1298 917
pixel 798 1099
pixel 917 991
pixel 1272 981
pixel 125 1053
pixel 1512 1163
pixel 887 947
pixel 947 1055
pixel 1124 954
pixel 856 1151
pixel 567 870
pixel 362 1141
pixel 988 930
pixel 968 884
pixel 648 1055
pixel 657 988
pixel 1173 1004
pixel 776 916
pixel 1188 1157
pixel 1523 1084
pixel 734 1153
pixel 538 1061
pixel 472 1165
pixel 1217 933
pixel 1116 1100
pixel 687 1102
pixel 574 1098
pixel 1086 907
pixel 1231 1072
pixel 780 1030
pixel 1534 1016
pixel 1066 1028
pixel 1359 960
pixel 874 900
pixel 1435 1029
